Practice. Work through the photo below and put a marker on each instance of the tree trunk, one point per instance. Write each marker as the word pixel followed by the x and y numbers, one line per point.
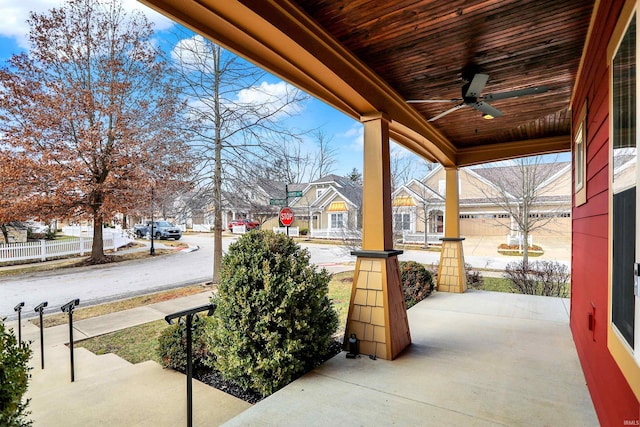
pixel 426 228
pixel 97 247
pixel 5 232
pixel 217 175
pixel 525 249
pixel 525 237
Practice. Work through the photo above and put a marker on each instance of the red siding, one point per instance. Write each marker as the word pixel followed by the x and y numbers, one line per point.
pixel 613 399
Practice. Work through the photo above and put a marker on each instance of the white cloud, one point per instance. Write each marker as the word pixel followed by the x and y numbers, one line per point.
pixel 190 52
pixel 269 98
pixel 14 14
pixel 354 136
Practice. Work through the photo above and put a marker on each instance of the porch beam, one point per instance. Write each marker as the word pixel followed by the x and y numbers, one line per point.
pixel 511 150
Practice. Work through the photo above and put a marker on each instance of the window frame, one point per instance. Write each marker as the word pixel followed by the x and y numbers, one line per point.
pixel 580 157
pixel 620 351
pixel 331 220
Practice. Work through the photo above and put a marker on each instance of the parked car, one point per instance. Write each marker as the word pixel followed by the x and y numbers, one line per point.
pixel 161 230
pixel 248 223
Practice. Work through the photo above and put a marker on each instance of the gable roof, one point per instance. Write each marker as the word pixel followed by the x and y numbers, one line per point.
pixel 509 178
pixel 346 188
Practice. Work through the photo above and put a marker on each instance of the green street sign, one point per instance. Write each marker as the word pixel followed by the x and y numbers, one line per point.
pixel 294 194
pixel 278 202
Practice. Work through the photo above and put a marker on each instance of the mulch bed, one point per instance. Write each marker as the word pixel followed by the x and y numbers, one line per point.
pixel 214 379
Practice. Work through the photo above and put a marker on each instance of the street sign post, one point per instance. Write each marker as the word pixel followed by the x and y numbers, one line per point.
pixel 278 202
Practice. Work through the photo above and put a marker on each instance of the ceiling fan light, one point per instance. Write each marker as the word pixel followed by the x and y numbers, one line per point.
pixel 487 116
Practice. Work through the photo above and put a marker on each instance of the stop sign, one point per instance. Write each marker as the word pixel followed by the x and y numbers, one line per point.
pixel 286 216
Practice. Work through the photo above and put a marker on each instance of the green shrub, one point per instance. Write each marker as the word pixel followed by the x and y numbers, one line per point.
pixel 417 282
pixel 304 231
pixel 274 319
pixel 172 344
pixel 14 379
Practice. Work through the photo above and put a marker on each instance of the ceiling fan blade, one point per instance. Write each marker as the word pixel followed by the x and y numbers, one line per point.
pixel 450 110
pixel 424 101
pixel 486 109
pixel 476 85
pixel 515 93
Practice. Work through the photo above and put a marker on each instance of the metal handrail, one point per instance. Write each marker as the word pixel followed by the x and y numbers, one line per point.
pixel 189 313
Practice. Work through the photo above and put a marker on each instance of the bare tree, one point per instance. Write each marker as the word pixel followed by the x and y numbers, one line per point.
pixel 402 167
pixel 519 189
pixel 324 157
pixel 242 117
pixel 299 161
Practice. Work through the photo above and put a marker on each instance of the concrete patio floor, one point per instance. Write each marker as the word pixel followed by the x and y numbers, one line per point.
pixel 476 359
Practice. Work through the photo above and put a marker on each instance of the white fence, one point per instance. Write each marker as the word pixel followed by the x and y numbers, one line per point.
pixel 336 233
pixel 48 249
pixel 293 231
pixel 408 237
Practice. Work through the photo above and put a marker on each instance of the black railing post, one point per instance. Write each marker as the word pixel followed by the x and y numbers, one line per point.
pixel 18 308
pixel 189 371
pixel 68 308
pixel 209 308
pixel 38 309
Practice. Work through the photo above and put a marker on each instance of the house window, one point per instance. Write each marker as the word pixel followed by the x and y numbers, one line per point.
pixel 623 328
pixel 337 220
pixel 319 192
pixel 624 185
pixel 580 159
pixel 402 221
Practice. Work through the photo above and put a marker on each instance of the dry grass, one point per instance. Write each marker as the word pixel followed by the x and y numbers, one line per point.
pixel 135 345
pixel 340 294
pixel 126 304
pixel 139 343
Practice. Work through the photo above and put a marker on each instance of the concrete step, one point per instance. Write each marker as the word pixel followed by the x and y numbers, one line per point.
pixel 57 368
pixel 118 394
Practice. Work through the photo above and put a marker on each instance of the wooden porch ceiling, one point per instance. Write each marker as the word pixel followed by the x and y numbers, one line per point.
pixel 369 56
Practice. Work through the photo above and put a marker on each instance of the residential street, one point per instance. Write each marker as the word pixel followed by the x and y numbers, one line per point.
pixel 113 281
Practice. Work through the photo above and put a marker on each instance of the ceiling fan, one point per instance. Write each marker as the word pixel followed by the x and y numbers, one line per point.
pixel 471 97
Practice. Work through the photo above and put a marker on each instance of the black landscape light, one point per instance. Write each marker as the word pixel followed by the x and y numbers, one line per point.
pixel 38 309
pixel 18 308
pixel 68 308
pixel 209 308
pixel 354 347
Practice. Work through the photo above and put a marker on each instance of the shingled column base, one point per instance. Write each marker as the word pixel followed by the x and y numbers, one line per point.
pixel 377 312
pixel 452 276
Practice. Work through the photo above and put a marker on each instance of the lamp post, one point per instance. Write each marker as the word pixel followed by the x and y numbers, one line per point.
pixel 152 250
